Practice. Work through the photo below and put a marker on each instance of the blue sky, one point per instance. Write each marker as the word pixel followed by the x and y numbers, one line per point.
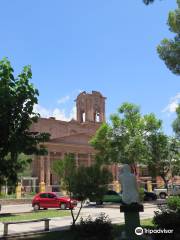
pixel 104 45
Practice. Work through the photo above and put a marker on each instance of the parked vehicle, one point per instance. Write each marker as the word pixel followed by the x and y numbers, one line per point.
pixel 114 197
pixel 149 196
pixel 47 200
pixel 173 190
pixel 110 196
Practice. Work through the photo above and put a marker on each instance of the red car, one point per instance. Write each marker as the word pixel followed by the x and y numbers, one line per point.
pixel 47 200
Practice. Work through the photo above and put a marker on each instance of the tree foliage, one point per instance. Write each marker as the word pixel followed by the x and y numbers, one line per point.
pixel 163 156
pixel 82 182
pixel 133 138
pixel 65 169
pixel 147 2
pixel 176 129
pixel 125 139
pixel 17 98
pixel 176 123
pixel 169 49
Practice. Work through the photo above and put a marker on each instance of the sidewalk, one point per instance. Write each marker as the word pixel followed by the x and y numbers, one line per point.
pixel 64 222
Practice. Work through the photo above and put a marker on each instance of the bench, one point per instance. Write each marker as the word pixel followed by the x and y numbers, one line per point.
pixel 46 224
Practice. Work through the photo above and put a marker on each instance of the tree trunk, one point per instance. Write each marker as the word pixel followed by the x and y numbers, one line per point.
pixel 134 168
pixel 76 218
pixel 165 181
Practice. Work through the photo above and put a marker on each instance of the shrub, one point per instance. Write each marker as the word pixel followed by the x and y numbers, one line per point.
pixel 141 194
pixel 98 229
pixel 173 203
pixel 2 195
pixel 168 218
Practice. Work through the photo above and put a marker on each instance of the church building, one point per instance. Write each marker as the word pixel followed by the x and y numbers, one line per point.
pixel 70 137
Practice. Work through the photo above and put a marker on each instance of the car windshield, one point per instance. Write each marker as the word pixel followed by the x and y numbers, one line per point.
pixel 58 194
pixel 113 193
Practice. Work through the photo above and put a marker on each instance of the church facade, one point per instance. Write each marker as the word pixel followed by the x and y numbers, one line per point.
pixel 70 137
pixel 73 137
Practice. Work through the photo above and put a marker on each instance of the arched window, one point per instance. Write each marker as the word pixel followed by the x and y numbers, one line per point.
pixel 83 116
pixel 97 116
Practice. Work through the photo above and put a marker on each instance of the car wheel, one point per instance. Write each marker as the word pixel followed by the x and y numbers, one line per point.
pixel 63 206
pixel 150 199
pixel 99 202
pixel 36 207
pixel 162 195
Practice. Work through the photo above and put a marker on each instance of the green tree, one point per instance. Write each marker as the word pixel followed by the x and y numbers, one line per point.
pixel 125 139
pixel 176 123
pixel 82 182
pixel 174 156
pixel 65 169
pixel 163 156
pixel 23 162
pixel 169 49
pixel 17 98
pixel 176 129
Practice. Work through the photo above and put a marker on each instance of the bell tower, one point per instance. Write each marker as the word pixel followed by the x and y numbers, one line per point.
pixel 90 107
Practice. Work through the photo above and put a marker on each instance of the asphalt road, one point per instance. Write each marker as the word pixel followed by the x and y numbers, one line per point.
pixel 56 223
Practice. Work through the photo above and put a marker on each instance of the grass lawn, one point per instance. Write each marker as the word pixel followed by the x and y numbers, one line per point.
pixel 34 215
pixel 68 235
pixel 147 222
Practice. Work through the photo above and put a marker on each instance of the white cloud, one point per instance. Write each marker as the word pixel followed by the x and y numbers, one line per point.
pixel 44 112
pixel 63 99
pixel 58 113
pixel 173 104
pixel 73 113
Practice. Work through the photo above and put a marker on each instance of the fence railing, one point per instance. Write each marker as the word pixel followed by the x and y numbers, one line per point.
pixel 24 192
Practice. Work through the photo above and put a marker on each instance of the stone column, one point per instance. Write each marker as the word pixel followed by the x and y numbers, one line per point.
pixel 76 156
pixel 41 169
pixel 34 185
pixel 89 159
pixel 48 185
pixel 117 172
